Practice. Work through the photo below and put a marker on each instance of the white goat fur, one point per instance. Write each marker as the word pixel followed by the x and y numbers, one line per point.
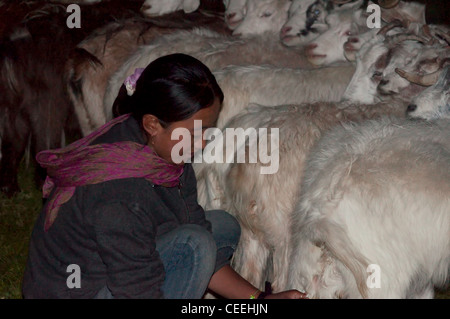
pixel 330 43
pixel 373 58
pixel 295 32
pixel 218 51
pixel 245 193
pixel 434 102
pixel 268 85
pixel 263 16
pixel 376 193
pixel 235 11
pixel 154 8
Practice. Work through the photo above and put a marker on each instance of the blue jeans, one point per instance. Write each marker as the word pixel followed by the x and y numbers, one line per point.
pixel 191 255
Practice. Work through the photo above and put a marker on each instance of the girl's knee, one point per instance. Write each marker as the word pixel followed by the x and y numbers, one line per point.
pixel 199 239
pixel 225 227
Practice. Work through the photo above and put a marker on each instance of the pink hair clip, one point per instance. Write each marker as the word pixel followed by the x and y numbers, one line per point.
pixel 130 82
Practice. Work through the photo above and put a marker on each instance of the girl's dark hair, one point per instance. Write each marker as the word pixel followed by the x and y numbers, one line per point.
pixel 172 88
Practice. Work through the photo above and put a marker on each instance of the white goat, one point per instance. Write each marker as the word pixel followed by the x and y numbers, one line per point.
pixel 235 11
pixel 373 218
pixel 417 58
pixel 329 46
pixel 153 8
pixel 305 23
pixel 263 204
pixel 377 68
pixel 218 51
pixel 263 16
pixel 409 14
pixel 361 89
pixel 242 190
pixel 268 85
pixel 434 102
pixel 363 86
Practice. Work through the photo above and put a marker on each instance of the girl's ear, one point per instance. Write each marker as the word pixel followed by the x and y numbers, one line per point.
pixel 151 125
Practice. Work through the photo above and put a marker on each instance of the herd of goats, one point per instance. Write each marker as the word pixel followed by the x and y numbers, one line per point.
pixel 360 204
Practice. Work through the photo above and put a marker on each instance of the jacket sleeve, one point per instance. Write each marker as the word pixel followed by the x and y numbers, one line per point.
pixel 196 212
pixel 125 236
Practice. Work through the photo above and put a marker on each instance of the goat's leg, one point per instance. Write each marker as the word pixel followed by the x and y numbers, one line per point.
pixel 280 266
pixel 250 259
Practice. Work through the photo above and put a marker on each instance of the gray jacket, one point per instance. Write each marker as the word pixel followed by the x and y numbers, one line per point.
pixel 109 230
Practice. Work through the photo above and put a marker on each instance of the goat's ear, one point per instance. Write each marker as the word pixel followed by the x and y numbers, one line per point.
pixel 190 5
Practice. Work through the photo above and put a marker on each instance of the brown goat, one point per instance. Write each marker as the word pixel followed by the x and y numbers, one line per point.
pixel 34 105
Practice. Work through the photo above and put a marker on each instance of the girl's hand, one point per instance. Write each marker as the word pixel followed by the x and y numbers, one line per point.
pixel 289 294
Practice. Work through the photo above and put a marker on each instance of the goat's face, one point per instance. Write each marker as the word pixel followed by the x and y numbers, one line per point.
pixel 329 46
pixel 263 16
pixel 306 22
pixel 358 36
pixel 405 56
pixel 371 61
pixel 434 102
pixel 154 8
pixel 235 12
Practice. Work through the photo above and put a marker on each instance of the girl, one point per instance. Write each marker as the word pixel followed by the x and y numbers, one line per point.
pixel 124 214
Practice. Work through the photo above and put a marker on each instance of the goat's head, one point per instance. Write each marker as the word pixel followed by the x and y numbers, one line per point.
pixel 361 33
pixel 235 12
pixel 329 46
pixel 306 22
pixel 371 60
pixel 263 16
pixel 410 55
pixel 433 102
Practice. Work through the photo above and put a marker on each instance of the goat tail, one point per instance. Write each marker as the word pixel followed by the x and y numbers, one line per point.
pixel 337 242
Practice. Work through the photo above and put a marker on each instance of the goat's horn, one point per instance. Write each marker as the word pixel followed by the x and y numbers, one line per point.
pixel 387 4
pixel 427 32
pixel 424 80
pixel 405 37
pixel 443 35
pixel 391 25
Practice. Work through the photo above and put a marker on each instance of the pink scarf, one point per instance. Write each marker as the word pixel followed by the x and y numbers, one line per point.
pixel 83 164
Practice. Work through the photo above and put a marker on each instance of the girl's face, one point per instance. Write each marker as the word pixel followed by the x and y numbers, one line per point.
pixel 160 138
